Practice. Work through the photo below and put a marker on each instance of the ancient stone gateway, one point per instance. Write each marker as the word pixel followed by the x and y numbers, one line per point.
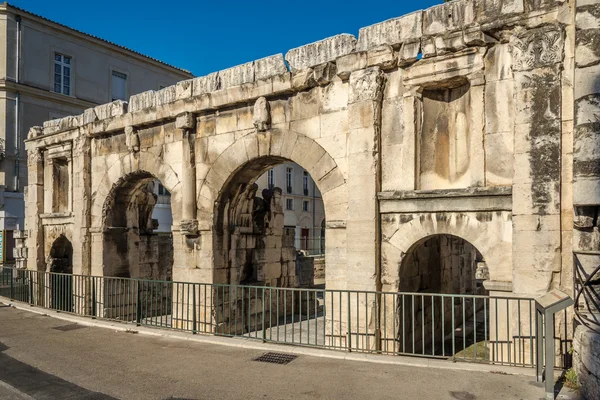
pixel 448 131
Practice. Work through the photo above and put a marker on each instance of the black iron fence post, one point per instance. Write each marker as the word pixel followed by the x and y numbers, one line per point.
pixel 12 284
pixel 138 304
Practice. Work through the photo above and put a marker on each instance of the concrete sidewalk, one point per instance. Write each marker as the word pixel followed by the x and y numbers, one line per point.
pixel 41 362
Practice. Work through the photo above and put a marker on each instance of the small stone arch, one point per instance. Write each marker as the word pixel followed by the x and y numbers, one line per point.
pixel 124 168
pixel 490 233
pixel 60 259
pixel 60 264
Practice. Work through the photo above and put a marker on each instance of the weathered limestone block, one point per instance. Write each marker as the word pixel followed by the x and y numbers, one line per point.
pixel 62 124
pixel 428 47
pixel 237 75
pixel 320 52
pixel 586 361
pixel 496 10
pixel 392 32
pixel 165 96
pixel 448 17
pixel 498 63
pixel 409 53
pixel 303 79
pixel 34 132
pixel 324 73
pixel 269 66
pixel 477 38
pixel 183 89
pixel 534 5
pixel 587 51
pixel 449 43
pixel 587 16
pixel 185 121
pixel 109 110
pixel 142 100
pixel 206 84
pixel 382 56
pixel 350 63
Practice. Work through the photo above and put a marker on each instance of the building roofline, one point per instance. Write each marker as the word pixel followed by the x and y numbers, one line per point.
pixel 9 7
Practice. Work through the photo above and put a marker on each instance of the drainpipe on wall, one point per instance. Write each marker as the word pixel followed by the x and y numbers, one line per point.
pixel 17 103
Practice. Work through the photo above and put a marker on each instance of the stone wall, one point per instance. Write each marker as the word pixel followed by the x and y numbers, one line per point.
pixel 456 120
pixel 586 193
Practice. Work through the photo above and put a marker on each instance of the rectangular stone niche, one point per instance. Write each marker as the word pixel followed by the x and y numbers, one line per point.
pixel 445 137
pixel 60 185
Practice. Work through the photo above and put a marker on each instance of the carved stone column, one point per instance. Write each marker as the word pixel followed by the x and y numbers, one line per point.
pixel 189 224
pixel 364 113
pixel 34 198
pixel 537 57
pixel 81 208
pixel 586 196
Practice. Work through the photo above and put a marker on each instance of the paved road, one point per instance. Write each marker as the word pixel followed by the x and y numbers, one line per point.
pixel 41 362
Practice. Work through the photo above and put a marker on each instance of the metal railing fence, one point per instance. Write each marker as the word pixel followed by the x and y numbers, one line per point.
pixel 489 329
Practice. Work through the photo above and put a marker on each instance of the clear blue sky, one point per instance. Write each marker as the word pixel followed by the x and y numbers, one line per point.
pixel 206 36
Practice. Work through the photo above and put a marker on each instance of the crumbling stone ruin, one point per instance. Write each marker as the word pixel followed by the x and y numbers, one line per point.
pixel 470 128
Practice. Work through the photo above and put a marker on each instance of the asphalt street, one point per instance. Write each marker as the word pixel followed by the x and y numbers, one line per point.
pixel 46 358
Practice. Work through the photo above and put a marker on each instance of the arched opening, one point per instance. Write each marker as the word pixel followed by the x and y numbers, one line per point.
pixel 444 317
pixel 267 221
pixel 138 243
pixel 60 264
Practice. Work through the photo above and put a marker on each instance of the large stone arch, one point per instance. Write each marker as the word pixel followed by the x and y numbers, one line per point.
pixel 489 232
pixel 279 145
pixel 124 167
pixel 252 154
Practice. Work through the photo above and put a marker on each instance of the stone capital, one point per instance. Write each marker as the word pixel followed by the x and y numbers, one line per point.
pixel 189 227
pixel 185 121
pixel 34 157
pixel 366 84
pixel 536 48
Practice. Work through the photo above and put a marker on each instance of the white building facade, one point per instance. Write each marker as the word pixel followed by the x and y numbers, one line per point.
pixel 48 70
pixel 303 205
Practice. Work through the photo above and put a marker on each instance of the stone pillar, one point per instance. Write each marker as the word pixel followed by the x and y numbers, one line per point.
pixel 537 168
pixel 586 193
pixel 34 198
pixel 364 181
pixel 80 186
pixel 186 234
pixel 186 123
pixel 20 250
pixel 81 179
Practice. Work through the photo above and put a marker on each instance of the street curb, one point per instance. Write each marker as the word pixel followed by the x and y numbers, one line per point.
pixel 247 343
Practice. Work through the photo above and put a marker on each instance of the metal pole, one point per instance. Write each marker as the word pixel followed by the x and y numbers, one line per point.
pixel 539 338
pixel 549 322
pixel 194 317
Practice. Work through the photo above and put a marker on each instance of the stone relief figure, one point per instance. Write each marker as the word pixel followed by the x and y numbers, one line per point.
pixel 132 140
pixel 262 115
pixel 145 201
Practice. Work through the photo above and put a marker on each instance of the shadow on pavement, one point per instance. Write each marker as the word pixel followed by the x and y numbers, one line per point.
pixel 39 384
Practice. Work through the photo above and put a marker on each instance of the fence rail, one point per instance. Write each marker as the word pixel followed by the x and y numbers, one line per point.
pixel 489 329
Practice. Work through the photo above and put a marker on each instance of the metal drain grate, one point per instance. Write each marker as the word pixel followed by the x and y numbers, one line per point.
pixel 70 327
pixel 276 358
